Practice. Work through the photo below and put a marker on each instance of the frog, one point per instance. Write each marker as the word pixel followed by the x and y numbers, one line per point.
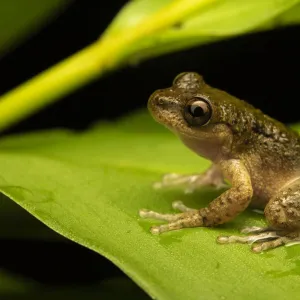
pixel 255 160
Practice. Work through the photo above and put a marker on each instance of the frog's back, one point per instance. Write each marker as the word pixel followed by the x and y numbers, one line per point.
pixel 271 140
pixel 270 151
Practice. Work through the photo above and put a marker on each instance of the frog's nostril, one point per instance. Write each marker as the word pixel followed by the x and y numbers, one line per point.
pixel 160 101
pixel 157 99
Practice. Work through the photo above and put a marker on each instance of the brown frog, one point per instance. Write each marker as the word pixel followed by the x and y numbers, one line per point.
pixel 258 155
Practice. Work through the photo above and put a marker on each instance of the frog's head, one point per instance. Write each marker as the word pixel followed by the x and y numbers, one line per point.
pixel 192 110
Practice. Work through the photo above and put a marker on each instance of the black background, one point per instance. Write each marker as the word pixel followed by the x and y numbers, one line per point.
pixel 262 68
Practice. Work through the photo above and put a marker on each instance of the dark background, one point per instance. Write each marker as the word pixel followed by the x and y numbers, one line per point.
pixel 261 68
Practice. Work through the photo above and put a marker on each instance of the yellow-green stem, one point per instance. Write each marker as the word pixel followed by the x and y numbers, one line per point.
pixel 86 65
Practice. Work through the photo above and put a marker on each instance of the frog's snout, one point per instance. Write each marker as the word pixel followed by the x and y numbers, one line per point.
pixel 156 99
pixel 163 106
pixel 155 103
pixel 160 100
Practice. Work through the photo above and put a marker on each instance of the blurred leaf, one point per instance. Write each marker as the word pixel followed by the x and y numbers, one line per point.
pixel 16 223
pixel 19 18
pixel 17 287
pixel 290 17
pixel 219 20
pixel 12 285
pixel 144 29
pixel 89 187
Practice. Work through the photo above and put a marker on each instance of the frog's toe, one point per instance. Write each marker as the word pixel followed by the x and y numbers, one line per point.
pixel 260 247
pixel 189 190
pixel 150 214
pixel 250 239
pixel 255 229
pixel 280 241
pixel 188 218
pixel 168 180
pixel 163 228
pixel 179 205
pixel 187 182
pixel 292 242
pixel 183 220
pixel 157 185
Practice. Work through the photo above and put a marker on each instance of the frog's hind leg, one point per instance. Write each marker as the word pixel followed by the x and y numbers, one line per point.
pixel 212 176
pixel 283 215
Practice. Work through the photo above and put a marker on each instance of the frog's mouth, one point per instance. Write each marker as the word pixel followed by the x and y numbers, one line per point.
pixel 201 135
pixel 164 106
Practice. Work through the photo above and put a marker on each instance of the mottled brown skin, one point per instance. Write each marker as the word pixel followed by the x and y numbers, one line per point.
pixel 258 155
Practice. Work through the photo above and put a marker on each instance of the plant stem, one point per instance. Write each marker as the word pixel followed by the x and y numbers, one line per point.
pixel 86 65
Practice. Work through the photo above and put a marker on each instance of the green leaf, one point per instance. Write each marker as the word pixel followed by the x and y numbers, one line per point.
pixel 89 187
pixel 219 20
pixel 19 18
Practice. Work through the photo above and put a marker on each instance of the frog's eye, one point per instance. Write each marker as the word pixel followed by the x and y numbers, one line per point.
pixel 198 112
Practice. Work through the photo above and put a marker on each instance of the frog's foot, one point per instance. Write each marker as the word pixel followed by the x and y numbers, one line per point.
pixel 188 218
pixel 264 238
pixel 190 183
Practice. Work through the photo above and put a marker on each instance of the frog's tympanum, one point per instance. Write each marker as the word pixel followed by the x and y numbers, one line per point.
pixel 256 154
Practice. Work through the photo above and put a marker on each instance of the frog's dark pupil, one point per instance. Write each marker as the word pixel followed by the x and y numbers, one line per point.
pixel 196 110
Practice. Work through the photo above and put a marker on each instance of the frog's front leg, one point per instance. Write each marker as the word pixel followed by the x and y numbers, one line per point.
pixel 222 209
pixel 283 215
pixel 211 177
